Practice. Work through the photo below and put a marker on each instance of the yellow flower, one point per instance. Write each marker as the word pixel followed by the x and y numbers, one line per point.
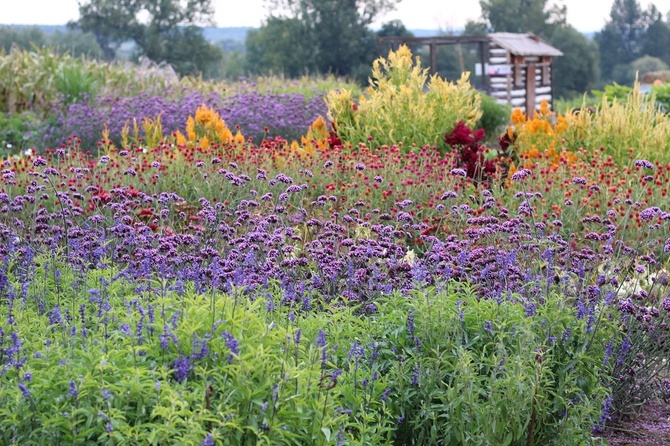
pixel 204 142
pixel 319 126
pixel 190 128
pixel 544 108
pixel 205 115
pixel 518 117
pixel 225 135
pixel 181 139
pixel 561 124
pixel 239 138
pixel 280 162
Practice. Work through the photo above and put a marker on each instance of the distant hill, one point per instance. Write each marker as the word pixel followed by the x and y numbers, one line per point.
pixel 233 33
pixel 46 29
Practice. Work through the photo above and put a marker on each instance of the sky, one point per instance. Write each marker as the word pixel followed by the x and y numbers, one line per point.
pixel 585 15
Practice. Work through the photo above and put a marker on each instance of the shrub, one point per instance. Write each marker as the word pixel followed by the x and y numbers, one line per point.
pixel 15 132
pixel 495 117
pixel 634 127
pixel 403 105
pixel 103 357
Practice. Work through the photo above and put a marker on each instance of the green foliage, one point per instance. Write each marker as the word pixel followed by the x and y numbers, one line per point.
pixel 164 31
pixel 74 81
pixel 76 43
pixel 613 92
pixel 622 39
pixel 495 117
pixel 403 105
pixel 662 95
pixel 630 127
pixel 33 80
pixel 578 70
pixel 645 64
pixel 185 49
pixel 486 371
pixel 517 16
pixel 21 38
pixel 168 366
pixel 14 132
pixel 279 47
pixel 311 37
pixel 394 28
pixel 656 40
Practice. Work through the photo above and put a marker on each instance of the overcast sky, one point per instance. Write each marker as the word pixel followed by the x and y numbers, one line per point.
pixel 585 15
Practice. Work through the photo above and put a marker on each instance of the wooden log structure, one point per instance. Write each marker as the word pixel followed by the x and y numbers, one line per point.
pixel 516 68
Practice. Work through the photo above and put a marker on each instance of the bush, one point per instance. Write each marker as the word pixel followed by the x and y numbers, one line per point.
pixel 621 125
pixel 96 359
pixel 627 124
pixel 495 117
pixel 403 105
pixel 485 372
pixel 15 132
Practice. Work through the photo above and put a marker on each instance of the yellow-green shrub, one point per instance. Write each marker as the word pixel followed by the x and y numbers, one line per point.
pixel 403 104
pixel 635 123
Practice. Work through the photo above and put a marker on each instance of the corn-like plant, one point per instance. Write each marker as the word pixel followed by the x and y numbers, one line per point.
pixel 636 123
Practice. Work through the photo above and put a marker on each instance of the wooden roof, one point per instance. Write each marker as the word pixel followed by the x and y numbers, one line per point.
pixel 524 44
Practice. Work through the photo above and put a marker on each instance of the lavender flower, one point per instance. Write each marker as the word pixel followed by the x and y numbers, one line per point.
pixel 232 344
pixel 521 174
pixel 74 392
pixel 24 391
pixel 644 163
pixel 208 441
pixel 182 368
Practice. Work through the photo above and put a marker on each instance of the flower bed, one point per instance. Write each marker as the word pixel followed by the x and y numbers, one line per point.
pixel 193 286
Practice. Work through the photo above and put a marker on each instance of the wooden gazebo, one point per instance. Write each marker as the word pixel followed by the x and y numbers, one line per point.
pixel 517 67
pixel 520 70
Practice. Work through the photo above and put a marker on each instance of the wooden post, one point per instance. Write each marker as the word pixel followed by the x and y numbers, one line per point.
pixel 517 61
pixel 546 62
pixel 530 90
pixel 433 58
pixel 486 85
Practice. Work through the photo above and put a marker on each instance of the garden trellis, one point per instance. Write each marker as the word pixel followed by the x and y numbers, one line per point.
pixel 505 59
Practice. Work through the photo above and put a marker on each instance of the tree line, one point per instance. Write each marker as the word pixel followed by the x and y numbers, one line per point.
pixel 335 36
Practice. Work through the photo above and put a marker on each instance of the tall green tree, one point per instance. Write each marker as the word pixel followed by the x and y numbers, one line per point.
pixel 328 35
pixel 578 70
pixel 522 16
pixel 279 47
pixel 656 39
pixel 394 28
pixel 621 39
pixel 163 30
pixel 21 37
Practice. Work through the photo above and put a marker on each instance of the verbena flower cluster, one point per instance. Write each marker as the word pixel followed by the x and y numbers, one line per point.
pixel 285 114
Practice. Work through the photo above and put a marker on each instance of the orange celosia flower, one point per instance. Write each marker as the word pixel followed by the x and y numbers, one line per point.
pixel 544 108
pixel 181 139
pixel 190 128
pixel 225 135
pixel 518 117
